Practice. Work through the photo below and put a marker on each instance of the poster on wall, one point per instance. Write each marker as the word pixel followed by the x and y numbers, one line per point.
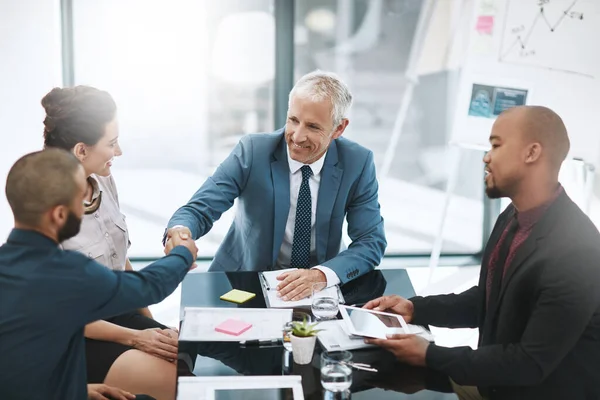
pixel 489 101
pixel 482 42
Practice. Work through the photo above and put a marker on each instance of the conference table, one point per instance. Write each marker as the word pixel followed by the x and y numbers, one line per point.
pixel 394 380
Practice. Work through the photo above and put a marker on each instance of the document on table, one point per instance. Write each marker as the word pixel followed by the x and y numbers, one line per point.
pixel 269 278
pixel 217 387
pixel 269 282
pixel 334 337
pixel 199 324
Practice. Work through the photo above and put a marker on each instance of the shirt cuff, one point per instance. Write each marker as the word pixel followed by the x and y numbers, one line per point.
pixel 185 253
pixel 332 278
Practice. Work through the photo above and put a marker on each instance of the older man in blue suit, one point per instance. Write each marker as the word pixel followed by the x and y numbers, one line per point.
pixel 294 188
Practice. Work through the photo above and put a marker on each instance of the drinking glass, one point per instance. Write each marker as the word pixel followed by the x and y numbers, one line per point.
pixel 324 303
pixel 336 374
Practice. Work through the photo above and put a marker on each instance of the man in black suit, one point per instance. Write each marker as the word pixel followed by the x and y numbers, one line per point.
pixel 537 304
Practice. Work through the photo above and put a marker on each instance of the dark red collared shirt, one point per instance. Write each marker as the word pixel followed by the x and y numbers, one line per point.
pixel 527 220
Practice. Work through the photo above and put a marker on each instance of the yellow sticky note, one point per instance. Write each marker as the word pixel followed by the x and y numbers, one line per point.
pixel 237 296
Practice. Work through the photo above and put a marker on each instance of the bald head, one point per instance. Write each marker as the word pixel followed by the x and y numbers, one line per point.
pixel 40 181
pixel 538 124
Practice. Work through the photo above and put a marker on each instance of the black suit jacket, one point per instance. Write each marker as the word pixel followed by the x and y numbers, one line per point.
pixel 543 339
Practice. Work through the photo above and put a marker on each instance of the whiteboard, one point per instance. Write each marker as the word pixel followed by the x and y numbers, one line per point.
pixel 545 47
pixel 551 35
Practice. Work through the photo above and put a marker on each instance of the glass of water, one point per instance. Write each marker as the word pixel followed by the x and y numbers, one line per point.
pixel 336 374
pixel 324 303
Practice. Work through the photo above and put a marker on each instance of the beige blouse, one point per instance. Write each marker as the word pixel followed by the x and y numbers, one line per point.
pixel 103 235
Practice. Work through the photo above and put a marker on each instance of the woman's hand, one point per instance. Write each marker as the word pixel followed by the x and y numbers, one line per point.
pixel 158 342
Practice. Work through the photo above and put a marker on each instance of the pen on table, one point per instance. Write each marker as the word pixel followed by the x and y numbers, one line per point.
pixel 257 342
pixel 364 367
pixel 265 282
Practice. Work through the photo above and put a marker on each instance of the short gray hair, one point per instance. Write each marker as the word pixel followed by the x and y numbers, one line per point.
pixel 320 85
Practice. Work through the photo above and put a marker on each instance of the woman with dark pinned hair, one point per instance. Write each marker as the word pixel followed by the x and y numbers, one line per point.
pixel 131 351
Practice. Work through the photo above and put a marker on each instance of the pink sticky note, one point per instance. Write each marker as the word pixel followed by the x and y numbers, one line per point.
pixel 485 24
pixel 233 327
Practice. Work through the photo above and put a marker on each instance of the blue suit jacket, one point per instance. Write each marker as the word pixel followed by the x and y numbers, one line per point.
pixel 257 174
pixel 48 295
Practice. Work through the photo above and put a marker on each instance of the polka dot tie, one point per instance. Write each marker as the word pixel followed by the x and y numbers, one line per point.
pixel 301 241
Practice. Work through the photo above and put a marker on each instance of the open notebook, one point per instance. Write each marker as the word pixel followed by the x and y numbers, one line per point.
pixel 270 282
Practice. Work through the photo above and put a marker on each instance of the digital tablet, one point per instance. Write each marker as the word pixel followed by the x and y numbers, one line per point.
pixel 372 324
pixel 378 324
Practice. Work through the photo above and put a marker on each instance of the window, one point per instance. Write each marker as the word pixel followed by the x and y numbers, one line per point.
pixel 189 78
pixel 368 43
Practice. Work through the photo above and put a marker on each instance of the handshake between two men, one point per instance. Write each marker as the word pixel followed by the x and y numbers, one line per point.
pixel 295 285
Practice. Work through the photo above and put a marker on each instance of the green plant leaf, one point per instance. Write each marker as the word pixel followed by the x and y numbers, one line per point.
pixel 303 329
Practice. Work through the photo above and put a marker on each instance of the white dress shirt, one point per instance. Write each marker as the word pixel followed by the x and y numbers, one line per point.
pixel 285 252
pixel 103 235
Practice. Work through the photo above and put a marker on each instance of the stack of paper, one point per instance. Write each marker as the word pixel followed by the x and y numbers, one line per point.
pixel 271 277
pixel 199 324
pixel 334 337
pixel 420 331
pixel 217 387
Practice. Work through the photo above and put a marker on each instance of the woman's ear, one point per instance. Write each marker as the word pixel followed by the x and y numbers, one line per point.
pixel 80 151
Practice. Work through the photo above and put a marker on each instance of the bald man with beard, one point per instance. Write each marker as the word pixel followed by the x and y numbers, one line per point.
pixel 537 304
pixel 48 295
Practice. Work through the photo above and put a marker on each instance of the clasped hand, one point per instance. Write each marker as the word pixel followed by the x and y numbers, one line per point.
pixel 157 342
pixel 99 391
pixel 181 236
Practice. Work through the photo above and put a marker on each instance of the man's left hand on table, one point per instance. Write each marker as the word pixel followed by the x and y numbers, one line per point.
pixel 297 285
pixel 411 349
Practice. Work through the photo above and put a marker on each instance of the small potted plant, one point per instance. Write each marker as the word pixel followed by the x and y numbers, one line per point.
pixel 303 337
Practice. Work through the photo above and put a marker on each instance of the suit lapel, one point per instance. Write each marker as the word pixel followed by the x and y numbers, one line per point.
pixel 494 237
pixel 500 226
pixel 539 231
pixel 328 189
pixel 521 255
pixel 280 175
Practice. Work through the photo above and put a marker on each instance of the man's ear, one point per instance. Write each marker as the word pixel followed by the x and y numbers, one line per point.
pixel 59 215
pixel 340 128
pixel 534 152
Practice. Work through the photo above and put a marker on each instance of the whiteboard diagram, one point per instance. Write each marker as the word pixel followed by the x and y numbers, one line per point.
pixel 561 35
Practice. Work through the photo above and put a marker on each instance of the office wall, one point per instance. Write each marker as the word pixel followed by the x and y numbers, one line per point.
pixel 29 67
